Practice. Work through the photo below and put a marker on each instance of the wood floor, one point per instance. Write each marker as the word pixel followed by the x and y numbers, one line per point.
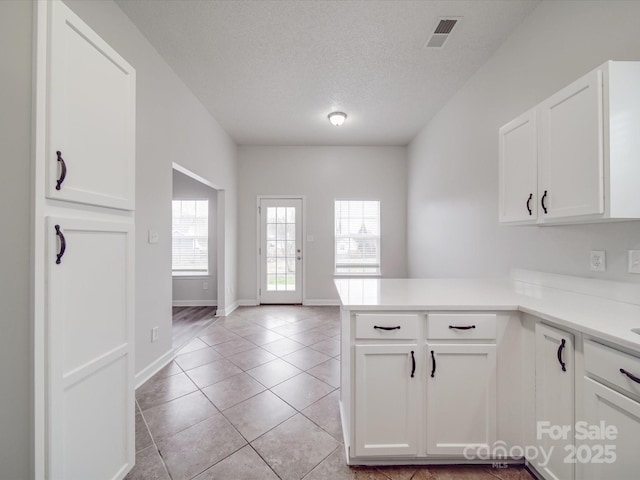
pixel 189 321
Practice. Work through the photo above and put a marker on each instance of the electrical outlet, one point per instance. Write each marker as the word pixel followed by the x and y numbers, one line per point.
pixel 598 261
pixel 205 285
pixel 154 334
pixel 634 261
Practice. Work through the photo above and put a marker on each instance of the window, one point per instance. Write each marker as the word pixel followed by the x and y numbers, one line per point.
pixel 190 236
pixel 357 237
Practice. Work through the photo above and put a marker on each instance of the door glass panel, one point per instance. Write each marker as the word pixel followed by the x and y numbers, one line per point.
pixel 281 249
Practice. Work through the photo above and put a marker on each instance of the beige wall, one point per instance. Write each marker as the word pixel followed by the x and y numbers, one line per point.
pixel 15 212
pixel 453 163
pixel 322 174
pixel 172 126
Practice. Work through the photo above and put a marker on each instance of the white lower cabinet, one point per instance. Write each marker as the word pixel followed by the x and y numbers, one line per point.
pixel 414 398
pixel 387 392
pixel 461 399
pixel 554 401
pixel 90 364
pixel 612 412
pixel 615 457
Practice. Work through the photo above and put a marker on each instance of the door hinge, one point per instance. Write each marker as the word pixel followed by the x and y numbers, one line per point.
pixel 259 250
pixel 259 291
pixel 259 210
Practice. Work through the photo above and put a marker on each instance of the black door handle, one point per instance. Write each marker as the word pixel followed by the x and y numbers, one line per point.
pixel 63 245
pixel 413 364
pixel 529 203
pixel 560 348
pixel 387 328
pixel 63 172
pixel 544 207
pixel 628 374
pixel 465 327
pixel 433 364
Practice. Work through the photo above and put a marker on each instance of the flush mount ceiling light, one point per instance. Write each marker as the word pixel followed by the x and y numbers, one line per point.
pixel 337 118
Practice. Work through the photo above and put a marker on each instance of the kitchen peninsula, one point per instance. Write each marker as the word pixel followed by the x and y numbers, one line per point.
pixel 470 371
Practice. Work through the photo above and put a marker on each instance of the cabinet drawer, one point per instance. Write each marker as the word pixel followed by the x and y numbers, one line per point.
pixel 391 326
pixel 454 326
pixel 605 363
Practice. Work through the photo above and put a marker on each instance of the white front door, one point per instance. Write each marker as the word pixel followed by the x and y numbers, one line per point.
pixel 280 250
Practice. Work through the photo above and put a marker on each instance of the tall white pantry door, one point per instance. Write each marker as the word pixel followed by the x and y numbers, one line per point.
pixel 84 178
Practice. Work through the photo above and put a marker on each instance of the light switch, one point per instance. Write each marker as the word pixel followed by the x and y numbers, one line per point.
pixel 634 261
pixel 153 236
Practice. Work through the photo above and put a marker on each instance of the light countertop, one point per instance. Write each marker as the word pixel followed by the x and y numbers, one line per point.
pixel 604 318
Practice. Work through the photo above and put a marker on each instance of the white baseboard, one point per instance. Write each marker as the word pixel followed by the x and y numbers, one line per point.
pixel 329 302
pixel 154 368
pixel 247 302
pixel 195 303
pixel 223 312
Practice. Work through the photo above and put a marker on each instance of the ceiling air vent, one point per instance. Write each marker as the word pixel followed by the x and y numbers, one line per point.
pixel 442 32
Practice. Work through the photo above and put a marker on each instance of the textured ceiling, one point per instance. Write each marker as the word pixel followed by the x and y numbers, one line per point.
pixel 271 71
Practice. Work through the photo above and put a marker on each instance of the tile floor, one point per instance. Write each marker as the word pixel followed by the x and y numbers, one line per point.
pixel 255 396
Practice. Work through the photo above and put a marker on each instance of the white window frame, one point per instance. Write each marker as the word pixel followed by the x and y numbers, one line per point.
pixel 186 272
pixel 377 238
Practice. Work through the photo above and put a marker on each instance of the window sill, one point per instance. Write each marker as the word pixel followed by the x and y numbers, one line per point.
pixel 373 275
pixel 189 275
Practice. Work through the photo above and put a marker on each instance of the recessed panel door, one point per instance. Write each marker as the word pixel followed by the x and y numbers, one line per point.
pixel 89 325
pixel 280 250
pixel 572 150
pixel 90 116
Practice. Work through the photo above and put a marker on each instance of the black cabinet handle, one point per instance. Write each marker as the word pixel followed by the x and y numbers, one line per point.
pixel 433 364
pixel 529 203
pixel 387 328
pixel 560 348
pixel 63 172
pixel 544 207
pixel 63 245
pixel 465 327
pixel 413 364
pixel 628 374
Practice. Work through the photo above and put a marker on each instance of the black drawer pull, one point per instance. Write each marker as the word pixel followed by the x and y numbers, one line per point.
pixel 544 207
pixel 413 364
pixel 529 203
pixel 560 348
pixel 387 328
pixel 63 172
pixel 63 245
pixel 465 327
pixel 628 374
pixel 433 364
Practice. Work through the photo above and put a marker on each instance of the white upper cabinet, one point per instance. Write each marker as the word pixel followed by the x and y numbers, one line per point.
pixel 518 170
pixel 90 117
pixel 586 148
pixel 571 150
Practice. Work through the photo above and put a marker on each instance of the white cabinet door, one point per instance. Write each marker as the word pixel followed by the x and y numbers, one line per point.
pixel 610 458
pixel 571 158
pixel 387 397
pixel 90 116
pixel 518 169
pixel 461 398
pixel 89 324
pixel 554 398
